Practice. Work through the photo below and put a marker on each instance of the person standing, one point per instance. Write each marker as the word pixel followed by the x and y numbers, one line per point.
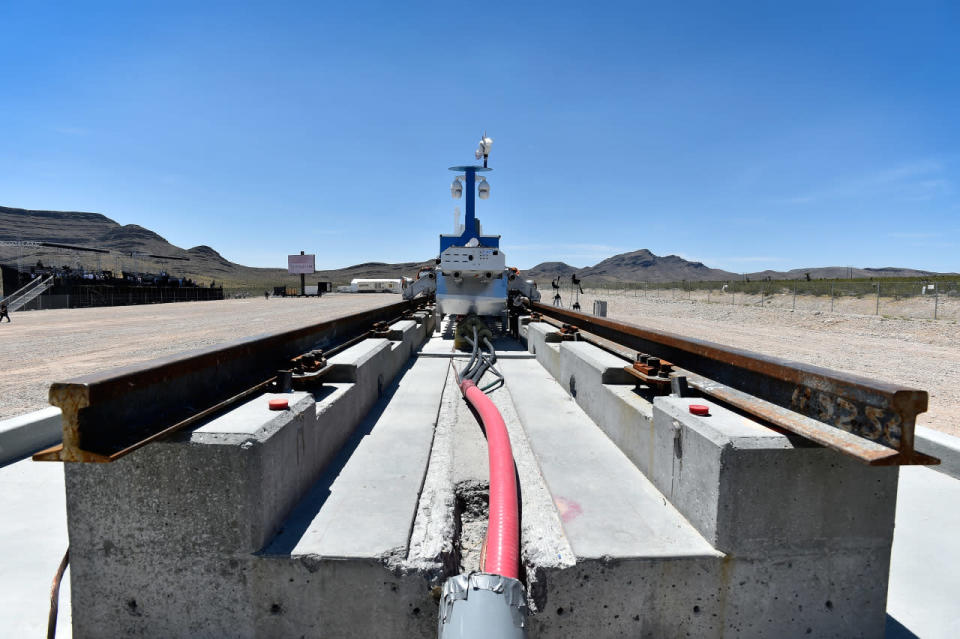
pixel 4 313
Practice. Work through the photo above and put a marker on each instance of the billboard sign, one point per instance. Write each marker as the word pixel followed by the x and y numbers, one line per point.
pixel 297 264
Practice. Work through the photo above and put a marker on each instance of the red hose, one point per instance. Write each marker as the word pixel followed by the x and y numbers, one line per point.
pixel 503 525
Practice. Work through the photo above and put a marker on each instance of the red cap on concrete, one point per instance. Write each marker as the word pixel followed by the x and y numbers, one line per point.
pixel 699 409
pixel 279 404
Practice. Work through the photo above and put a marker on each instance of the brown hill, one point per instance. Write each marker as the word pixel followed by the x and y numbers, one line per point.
pixel 131 245
pixel 636 266
pixel 644 265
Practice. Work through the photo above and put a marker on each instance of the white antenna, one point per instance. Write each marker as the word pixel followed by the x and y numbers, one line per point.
pixel 483 149
pixel 456 219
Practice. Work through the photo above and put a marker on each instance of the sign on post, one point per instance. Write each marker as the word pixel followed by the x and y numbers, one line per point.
pixel 301 264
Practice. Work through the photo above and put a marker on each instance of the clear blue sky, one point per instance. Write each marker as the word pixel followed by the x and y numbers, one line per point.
pixel 747 136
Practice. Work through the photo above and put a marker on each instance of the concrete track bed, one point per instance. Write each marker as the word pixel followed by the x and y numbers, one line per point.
pixel 342 516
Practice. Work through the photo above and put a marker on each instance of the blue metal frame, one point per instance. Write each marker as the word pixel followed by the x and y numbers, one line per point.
pixel 470 226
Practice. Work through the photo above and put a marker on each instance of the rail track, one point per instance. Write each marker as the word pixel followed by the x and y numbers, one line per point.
pixel 108 415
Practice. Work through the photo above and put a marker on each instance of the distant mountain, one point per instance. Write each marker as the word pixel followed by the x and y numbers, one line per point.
pixel 636 266
pixel 94 230
pixel 550 270
pixel 644 266
pixel 672 268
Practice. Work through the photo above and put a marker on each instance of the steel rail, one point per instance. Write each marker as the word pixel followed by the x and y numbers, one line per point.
pixel 109 414
pixel 861 417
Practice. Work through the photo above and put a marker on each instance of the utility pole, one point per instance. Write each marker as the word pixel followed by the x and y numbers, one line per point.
pixel 303 282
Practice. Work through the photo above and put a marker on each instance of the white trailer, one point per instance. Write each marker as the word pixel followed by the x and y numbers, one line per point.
pixel 376 286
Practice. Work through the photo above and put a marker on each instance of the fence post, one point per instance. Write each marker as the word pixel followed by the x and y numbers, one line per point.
pixel 878 299
pixel 831 297
pixel 936 299
pixel 794 296
pixel 761 295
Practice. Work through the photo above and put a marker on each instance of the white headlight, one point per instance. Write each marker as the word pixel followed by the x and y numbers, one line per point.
pixel 456 190
pixel 483 189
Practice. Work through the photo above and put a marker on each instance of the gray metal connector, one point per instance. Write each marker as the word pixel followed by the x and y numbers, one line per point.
pixel 483 606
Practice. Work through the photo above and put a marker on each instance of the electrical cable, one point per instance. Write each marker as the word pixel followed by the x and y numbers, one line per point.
pixel 502 556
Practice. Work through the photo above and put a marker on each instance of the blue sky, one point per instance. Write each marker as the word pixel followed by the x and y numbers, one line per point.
pixel 746 136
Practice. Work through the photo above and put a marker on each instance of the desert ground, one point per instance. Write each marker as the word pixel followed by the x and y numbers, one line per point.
pixel 40 347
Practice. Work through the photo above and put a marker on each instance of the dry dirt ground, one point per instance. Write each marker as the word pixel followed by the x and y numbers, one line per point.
pixel 40 347
pixel 919 353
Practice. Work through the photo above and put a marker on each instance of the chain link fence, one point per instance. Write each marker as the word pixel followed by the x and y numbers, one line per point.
pixel 917 300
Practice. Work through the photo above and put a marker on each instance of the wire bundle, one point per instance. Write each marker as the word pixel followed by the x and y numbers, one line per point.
pixel 482 359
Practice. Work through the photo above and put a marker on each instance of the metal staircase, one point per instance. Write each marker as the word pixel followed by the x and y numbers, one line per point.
pixel 18 299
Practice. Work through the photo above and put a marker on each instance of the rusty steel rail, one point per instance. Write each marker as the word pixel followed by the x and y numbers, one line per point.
pixel 110 414
pixel 864 418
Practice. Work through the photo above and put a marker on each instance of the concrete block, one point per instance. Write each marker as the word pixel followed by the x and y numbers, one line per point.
pixel 941 445
pixel 648 598
pixel 595 362
pixel 174 496
pixel 599 384
pixel 820 592
pixel 311 597
pixel 344 366
pixel 174 526
pixel 548 353
pixel 148 592
pixel 602 389
pixel 747 488
pixel 23 435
